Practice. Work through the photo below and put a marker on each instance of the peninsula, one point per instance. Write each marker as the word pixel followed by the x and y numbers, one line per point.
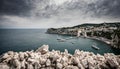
pixel 106 32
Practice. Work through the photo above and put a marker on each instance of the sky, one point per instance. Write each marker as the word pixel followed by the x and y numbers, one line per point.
pixel 57 13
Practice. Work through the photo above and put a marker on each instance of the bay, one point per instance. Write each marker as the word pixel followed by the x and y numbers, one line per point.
pixel 30 39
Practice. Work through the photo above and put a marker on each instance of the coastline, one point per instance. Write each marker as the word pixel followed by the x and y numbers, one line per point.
pixel 108 33
pixel 42 58
pixel 107 41
pixel 102 39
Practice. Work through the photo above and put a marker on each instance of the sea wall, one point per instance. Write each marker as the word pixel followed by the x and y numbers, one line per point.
pixel 42 58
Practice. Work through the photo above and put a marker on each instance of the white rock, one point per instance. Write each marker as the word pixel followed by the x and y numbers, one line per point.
pixel 113 63
pixel 30 66
pixel 37 65
pixel 10 52
pixel 23 64
pixel 48 62
pixel 80 66
pixel 32 61
pixel 59 66
pixel 66 52
pixel 77 52
pixel 16 56
pixel 26 55
pixel 16 63
pixel 43 49
pixel 4 66
pixel 5 56
pixel 7 60
pixel 71 67
pixel 21 56
pixel 54 57
pixel 75 60
pixel 84 63
pixel 42 61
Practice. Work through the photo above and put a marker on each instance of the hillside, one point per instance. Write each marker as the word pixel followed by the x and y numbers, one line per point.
pixel 115 24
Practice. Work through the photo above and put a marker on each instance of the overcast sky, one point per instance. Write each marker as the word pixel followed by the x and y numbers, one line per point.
pixel 56 13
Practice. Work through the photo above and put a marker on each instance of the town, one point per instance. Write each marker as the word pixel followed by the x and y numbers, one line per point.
pixel 106 32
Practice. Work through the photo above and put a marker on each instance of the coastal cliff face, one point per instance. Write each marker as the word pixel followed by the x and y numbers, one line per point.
pixel 42 58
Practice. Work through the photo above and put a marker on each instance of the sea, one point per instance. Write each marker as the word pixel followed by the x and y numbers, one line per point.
pixel 30 39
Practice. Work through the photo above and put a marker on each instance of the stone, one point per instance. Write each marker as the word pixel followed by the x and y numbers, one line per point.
pixel 75 60
pixel 45 59
pixel 84 63
pixel 30 66
pixel 80 66
pixel 71 67
pixel 66 51
pixel 16 63
pixel 4 66
pixel 42 61
pixel 48 62
pixel 112 62
pixel 59 66
pixel 37 65
pixel 5 56
pixel 21 56
pixel 10 53
pixel 43 49
pixel 23 64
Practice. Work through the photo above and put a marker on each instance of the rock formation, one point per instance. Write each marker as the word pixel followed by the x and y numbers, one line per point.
pixel 42 58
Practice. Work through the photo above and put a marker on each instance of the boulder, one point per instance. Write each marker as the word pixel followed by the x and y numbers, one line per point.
pixel 4 66
pixel 23 64
pixel 112 62
pixel 11 53
pixel 84 63
pixel 21 56
pixel 71 67
pixel 30 66
pixel 16 63
pixel 75 60
pixel 43 49
pixel 80 66
pixel 48 62
pixel 59 66
pixel 66 51
pixel 37 65
pixel 43 61
pixel 5 56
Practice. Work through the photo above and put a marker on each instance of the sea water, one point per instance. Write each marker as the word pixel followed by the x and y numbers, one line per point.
pixel 31 39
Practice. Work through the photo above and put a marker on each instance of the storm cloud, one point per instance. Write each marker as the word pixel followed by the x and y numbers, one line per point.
pixel 54 13
pixel 14 7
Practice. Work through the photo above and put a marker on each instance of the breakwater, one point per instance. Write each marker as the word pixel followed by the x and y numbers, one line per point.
pixel 42 58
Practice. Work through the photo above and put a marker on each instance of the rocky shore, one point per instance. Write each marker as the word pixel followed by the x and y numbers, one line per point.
pixel 42 58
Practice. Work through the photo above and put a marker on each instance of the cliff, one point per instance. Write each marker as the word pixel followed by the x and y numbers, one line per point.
pixel 42 58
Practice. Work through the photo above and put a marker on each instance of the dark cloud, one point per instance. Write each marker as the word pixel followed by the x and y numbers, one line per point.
pixel 99 7
pixel 14 7
pixel 106 8
pixel 51 13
